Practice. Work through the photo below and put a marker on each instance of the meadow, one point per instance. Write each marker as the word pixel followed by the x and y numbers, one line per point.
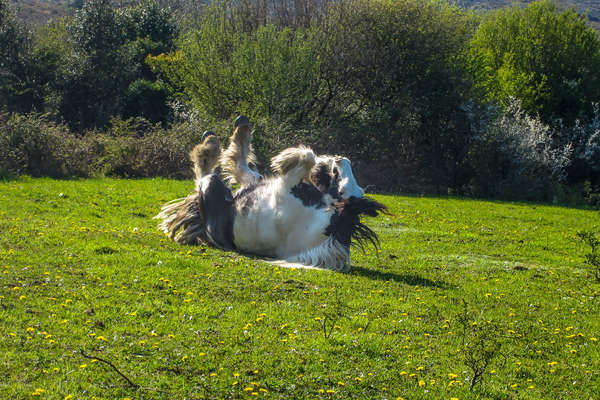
pixel 466 299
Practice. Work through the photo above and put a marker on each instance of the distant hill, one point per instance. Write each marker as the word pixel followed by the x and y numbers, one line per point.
pixel 41 11
pixel 35 12
pixel 592 7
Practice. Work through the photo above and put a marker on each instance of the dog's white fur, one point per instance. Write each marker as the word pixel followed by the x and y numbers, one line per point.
pixel 275 223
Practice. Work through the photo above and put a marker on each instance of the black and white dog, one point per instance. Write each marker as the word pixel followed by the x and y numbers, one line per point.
pixel 308 212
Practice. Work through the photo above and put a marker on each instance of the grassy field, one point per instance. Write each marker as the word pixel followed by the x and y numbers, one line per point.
pixel 462 291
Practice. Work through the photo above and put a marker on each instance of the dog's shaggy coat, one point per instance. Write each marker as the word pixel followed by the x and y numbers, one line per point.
pixel 307 213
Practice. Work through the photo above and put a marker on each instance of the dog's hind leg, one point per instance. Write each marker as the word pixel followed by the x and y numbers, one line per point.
pixel 205 156
pixel 234 160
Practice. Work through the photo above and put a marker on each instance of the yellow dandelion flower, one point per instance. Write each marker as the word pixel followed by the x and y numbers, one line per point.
pixel 421 383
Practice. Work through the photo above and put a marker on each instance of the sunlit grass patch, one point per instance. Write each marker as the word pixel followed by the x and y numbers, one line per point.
pixel 88 271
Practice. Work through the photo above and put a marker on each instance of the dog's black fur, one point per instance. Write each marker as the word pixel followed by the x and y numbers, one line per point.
pixel 346 227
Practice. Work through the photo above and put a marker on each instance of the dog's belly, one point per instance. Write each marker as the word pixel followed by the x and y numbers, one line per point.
pixel 280 226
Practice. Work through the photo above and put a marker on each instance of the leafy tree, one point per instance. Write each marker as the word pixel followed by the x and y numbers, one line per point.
pixel 394 78
pixel 108 56
pixel 223 70
pixel 16 93
pixel 547 58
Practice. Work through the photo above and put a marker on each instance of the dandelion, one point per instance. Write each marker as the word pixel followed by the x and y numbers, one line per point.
pixel 421 383
pixel 83 366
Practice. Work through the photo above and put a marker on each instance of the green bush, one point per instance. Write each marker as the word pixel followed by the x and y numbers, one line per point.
pixel 545 57
pixel 32 144
pixel 515 157
pixel 224 72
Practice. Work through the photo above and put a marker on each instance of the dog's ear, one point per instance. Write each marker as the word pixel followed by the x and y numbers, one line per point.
pixel 320 176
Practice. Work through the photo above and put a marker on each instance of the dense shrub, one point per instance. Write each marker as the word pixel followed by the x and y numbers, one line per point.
pixel 584 136
pixel 34 145
pixel 515 157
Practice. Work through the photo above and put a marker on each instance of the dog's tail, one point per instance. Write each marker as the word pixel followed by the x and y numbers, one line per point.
pixel 181 219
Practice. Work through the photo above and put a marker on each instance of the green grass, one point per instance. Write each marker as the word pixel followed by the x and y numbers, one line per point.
pixel 83 267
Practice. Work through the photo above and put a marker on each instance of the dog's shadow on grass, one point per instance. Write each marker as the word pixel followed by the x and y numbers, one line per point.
pixel 408 279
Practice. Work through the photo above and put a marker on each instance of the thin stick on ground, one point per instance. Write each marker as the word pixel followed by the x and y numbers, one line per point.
pixel 112 366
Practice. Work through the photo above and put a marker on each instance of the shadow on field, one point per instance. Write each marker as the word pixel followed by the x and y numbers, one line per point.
pixel 408 279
